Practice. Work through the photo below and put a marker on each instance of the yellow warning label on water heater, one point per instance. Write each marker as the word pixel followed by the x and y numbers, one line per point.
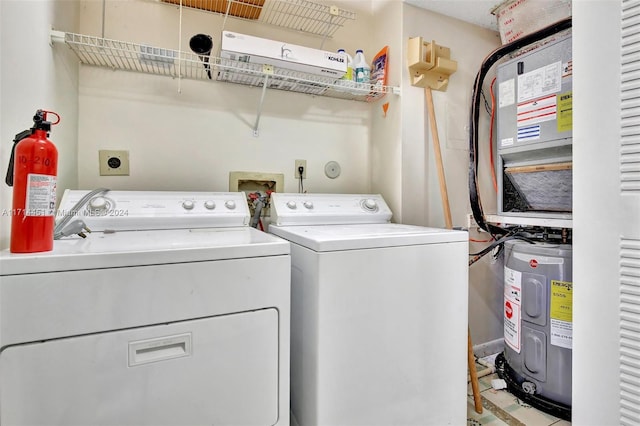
pixel 565 112
pixel 561 300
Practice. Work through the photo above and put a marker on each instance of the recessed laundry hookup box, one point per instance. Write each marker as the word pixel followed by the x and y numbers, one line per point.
pixel 245 48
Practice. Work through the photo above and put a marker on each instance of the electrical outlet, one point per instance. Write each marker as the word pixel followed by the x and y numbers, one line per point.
pixel 303 164
pixel 114 163
pixel 472 224
pixel 471 221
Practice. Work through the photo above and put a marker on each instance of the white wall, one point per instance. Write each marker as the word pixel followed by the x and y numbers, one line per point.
pixel 35 75
pixel 386 134
pixel 193 139
pixel 596 212
pixel 469 45
pixel 421 197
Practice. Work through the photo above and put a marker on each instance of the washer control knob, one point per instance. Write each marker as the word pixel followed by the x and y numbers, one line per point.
pixel 188 205
pixel 308 204
pixel 291 204
pixel 370 205
pixel 210 205
pixel 230 204
pixel 99 205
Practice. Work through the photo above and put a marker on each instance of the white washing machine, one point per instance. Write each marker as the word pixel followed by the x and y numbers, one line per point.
pixel 173 311
pixel 378 314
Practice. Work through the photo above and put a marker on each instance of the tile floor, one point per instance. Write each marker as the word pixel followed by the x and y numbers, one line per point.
pixel 510 410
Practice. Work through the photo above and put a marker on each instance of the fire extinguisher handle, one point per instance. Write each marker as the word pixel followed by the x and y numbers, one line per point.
pixel 23 134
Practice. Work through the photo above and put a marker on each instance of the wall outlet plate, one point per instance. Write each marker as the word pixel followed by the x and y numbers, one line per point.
pixel 114 163
pixel 303 164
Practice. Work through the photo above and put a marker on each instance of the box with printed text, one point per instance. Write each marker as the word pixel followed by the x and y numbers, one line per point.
pixel 245 48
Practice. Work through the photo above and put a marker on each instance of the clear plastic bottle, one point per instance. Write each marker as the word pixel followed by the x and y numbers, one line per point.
pixel 348 76
pixel 361 67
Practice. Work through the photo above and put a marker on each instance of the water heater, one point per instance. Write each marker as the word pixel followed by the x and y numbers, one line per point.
pixel 538 326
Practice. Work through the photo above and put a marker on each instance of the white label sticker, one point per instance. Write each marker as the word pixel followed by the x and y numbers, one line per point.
pixel 512 302
pixel 541 82
pixel 506 142
pixel 529 133
pixel 537 111
pixel 41 195
pixel 512 278
pixel 561 333
pixel 506 93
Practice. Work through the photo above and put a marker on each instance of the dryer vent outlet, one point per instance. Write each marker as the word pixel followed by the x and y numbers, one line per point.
pixel 113 163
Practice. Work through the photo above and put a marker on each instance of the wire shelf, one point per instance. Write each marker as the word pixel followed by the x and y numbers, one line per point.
pixel 299 15
pixel 127 56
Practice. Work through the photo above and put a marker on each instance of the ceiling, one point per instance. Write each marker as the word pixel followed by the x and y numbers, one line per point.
pixel 476 12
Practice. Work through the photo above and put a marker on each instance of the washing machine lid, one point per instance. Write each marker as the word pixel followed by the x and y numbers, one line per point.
pixel 138 248
pixel 325 238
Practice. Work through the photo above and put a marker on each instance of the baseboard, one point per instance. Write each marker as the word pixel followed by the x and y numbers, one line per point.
pixel 489 348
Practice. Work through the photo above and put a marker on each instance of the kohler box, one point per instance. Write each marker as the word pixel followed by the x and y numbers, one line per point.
pixel 245 48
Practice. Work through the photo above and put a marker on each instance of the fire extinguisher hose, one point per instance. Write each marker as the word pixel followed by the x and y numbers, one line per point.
pixel 9 177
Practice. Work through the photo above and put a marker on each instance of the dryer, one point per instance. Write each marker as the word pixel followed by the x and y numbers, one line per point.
pixel 173 311
pixel 378 314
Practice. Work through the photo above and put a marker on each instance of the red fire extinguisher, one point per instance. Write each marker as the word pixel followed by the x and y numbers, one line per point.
pixel 32 172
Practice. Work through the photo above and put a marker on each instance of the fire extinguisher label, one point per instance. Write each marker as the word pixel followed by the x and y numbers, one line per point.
pixel 41 195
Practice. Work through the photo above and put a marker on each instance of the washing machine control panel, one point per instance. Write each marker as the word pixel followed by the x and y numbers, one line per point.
pixel 139 210
pixel 320 209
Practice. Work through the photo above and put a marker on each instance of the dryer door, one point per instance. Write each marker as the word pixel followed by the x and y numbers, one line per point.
pixel 216 370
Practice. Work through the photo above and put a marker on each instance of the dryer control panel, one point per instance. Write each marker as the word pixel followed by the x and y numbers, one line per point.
pixel 324 209
pixel 142 210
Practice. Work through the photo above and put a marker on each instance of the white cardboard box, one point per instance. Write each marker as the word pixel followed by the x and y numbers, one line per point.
pixel 517 18
pixel 245 48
